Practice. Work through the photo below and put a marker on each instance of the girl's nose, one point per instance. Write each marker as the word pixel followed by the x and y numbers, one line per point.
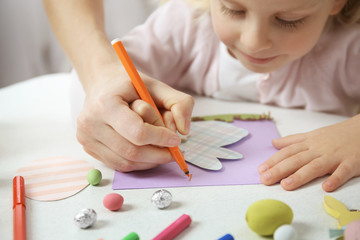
pixel 255 37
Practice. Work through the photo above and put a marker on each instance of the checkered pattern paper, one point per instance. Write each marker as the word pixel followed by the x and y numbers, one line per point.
pixel 205 143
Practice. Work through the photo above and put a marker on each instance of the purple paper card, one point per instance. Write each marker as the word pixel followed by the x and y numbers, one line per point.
pixel 256 148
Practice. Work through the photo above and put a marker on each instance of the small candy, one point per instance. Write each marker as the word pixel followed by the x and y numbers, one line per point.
pixel 161 198
pixel 265 216
pixel 227 237
pixel 94 177
pixel 113 201
pixel 85 218
pixel 131 236
pixel 285 232
pixel 352 230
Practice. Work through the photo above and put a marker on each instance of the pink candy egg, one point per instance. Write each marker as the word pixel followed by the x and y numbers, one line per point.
pixel 352 231
pixel 113 201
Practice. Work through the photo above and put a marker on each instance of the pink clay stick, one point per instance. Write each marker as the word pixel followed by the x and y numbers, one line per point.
pixel 175 228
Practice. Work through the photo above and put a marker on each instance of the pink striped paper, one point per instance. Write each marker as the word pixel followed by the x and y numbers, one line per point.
pixel 54 178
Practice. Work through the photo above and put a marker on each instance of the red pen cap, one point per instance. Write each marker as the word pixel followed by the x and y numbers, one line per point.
pixel 18 191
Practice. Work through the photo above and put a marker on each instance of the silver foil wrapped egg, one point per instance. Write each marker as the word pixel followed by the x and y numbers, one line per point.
pixel 161 198
pixel 85 218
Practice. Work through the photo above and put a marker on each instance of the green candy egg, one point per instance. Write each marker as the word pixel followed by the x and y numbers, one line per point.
pixel 94 177
pixel 265 216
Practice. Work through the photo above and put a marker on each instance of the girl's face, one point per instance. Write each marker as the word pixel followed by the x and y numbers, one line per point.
pixel 266 34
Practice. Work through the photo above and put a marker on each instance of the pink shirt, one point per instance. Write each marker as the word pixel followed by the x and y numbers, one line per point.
pixel 178 46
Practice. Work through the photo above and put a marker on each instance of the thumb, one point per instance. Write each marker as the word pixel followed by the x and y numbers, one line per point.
pixel 178 103
pixel 182 111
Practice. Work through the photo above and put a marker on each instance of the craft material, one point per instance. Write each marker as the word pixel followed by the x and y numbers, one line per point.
pixel 131 236
pixel 175 228
pixel 285 232
pixel 265 216
pixel 255 148
pixel 352 231
pixel 145 95
pixel 54 178
pixel 205 146
pixel 94 177
pixel 227 237
pixel 19 207
pixel 334 233
pixel 339 211
pixel 113 201
pixel 85 218
pixel 232 117
pixel 161 198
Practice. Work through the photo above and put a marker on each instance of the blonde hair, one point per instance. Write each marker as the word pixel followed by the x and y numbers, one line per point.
pixel 349 14
pixel 200 4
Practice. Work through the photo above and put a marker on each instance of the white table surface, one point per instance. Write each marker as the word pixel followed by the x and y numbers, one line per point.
pixel 35 123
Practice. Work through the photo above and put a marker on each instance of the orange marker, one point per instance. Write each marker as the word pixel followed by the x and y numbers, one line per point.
pixel 145 95
pixel 19 208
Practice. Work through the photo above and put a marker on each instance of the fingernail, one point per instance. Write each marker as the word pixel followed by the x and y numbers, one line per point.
pixel 173 127
pixel 328 183
pixel 267 176
pixel 262 168
pixel 187 125
pixel 288 181
pixel 174 141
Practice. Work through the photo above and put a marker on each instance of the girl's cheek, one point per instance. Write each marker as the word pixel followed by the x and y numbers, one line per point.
pixel 228 35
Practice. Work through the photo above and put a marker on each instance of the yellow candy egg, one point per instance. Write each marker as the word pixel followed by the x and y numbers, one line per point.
pixel 265 216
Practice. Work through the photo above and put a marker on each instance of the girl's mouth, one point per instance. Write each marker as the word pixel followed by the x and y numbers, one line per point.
pixel 258 60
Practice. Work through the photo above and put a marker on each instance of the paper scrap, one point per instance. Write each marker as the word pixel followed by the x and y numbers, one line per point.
pixel 204 146
pixel 54 178
pixel 339 211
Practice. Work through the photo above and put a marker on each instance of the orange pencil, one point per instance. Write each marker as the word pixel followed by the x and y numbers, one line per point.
pixel 19 208
pixel 145 95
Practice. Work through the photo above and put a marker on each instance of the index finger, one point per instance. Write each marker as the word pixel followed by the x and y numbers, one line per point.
pixel 132 127
pixel 282 154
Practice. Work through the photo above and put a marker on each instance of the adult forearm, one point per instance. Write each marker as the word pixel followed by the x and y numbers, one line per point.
pixel 79 27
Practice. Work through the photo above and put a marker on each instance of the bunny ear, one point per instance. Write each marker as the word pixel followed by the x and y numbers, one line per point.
pixel 205 144
pixel 338 210
pixel 334 207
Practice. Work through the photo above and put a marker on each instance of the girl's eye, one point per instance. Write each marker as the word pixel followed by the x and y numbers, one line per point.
pixel 231 12
pixel 290 25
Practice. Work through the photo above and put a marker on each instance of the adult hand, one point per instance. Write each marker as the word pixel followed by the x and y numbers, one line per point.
pixel 124 132
pixel 303 157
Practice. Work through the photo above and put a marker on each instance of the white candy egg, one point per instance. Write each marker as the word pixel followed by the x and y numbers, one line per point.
pixel 285 232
